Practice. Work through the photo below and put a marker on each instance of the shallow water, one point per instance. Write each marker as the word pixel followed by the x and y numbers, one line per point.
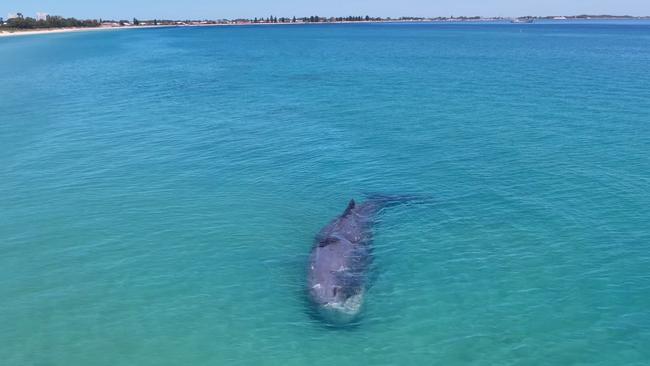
pixel 160 190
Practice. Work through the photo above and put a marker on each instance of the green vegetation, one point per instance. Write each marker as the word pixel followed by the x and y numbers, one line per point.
pixel 317 19
pixel 21 22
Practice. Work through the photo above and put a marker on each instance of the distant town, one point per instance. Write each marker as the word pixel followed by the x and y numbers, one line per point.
pixel 18 21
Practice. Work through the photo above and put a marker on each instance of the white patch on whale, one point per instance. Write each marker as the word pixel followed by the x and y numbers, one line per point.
pixel 351 305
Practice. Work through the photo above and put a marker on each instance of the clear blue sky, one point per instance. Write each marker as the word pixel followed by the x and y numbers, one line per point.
pixel 212 9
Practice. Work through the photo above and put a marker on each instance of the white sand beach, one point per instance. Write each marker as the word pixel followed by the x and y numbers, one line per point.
pixel 30 32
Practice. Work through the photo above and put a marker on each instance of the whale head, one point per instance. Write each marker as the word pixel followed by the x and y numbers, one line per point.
pixel 335 304
pixel 343 312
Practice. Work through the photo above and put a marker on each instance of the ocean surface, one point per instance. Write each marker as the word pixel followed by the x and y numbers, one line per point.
pixel 160 190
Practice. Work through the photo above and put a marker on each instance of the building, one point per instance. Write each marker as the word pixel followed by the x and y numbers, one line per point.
pixel 41 16
pixel 12 16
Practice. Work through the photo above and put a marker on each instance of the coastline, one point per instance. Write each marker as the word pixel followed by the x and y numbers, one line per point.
pixel 30 32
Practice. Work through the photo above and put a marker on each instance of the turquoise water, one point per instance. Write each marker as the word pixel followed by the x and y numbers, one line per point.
pixel 160 190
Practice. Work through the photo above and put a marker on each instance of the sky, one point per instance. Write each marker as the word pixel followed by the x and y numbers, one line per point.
pixel 216 9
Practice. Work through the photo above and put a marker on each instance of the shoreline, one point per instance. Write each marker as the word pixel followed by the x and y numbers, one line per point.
pixel 29 32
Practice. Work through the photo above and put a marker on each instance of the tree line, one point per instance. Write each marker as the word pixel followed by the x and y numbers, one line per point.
pixel 54 21
pixel 313 19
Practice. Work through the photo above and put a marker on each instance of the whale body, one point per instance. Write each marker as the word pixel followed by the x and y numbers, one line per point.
pixel 340 260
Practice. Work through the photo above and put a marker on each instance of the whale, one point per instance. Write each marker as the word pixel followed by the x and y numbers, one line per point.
pixel 341 258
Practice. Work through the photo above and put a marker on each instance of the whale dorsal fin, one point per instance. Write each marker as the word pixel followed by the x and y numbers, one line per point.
pixel 351 206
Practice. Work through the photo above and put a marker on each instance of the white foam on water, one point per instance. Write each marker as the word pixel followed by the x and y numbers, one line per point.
pixel 351 306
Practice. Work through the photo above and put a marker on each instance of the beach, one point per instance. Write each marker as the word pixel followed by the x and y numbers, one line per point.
pixel 27 32
pixel 31 32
